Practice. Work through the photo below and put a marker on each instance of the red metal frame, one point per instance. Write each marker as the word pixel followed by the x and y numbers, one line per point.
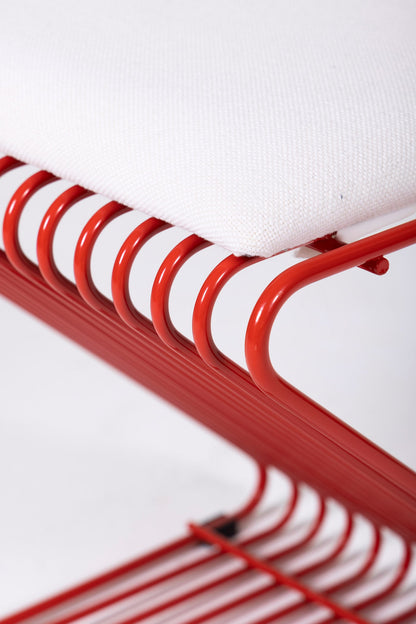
pixel 109 590
pixel 257 411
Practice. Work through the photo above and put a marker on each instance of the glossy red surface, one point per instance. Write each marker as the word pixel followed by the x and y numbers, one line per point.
pixel 44 246
pixel 109 590
pixel 284 428
pixel 257 411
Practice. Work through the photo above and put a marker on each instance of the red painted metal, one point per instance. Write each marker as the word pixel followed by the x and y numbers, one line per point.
pixel 316 525
pixel 276 424
pixel 276 575
pixel 122 267
pixel 7 163
pixel 182 597
pixel 335 587
pixel 204 306
pixel 379 596
pixel 408 617
pixel 83 253
pixel 11 220
pixel 66 599
pixel 46 233
pixel 378 265
pixel 50 610
pixel 159 301
pixel 308 414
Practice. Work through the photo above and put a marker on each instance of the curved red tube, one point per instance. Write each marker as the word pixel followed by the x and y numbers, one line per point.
pixel 162 285
pixel 305 411
pixel 368 563
pixel 257 495
pixel 122 267
pixel 14 211
pixel 7 163
pixel 275 574
pixel 44 244
pixel 293 608
pixel 204 305
pixel 396 581
pixel 83 253
pixel 287 283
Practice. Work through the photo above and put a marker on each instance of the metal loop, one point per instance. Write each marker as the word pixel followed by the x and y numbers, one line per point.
pixel 313 416
pixel 344 584
pixel 335 587
pixel 396 581
pixel 20 197
pixel 7 163
pixel 122 267
pixel 204 306
pixel 162 285
pixel 46 235
pixel 296 277
pixel 83 253
pixel 257 495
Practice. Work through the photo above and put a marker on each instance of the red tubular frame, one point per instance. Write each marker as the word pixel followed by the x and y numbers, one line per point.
pixel 122 267
pixel 257 411
pixel 83 252
pixel 44 243
pixel 289 429
pixel 12 217
pixel 276 575
pixel 341 439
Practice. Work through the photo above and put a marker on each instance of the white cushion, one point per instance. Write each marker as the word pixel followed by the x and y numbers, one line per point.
pixel 257 124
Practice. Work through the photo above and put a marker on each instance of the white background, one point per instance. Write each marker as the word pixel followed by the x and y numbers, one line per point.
pixel 94 469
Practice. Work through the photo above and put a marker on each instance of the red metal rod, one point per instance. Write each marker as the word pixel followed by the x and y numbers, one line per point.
pixel 258 405
pixel 256 497
pixel 404 617
pixel 282 521
pixel 343 584
pixel 103 579
pixel 44 244
pixel 83 253
pixel 160 296
pixel 111 328
pixel 378 265
pixel 11 220
pixel 161 318
pixel 208 559
pixel 122 267
pixel 289 282
pixel 230 404
pixel 339 547
pixel 275 574
pixel 233 604
pixel 304 410
pixel 120 572
pixel 7 163
pixel 207 586
pixel 204 306
pixel 82 590
pixel 162 285
pixel 401 573
pixel 192 566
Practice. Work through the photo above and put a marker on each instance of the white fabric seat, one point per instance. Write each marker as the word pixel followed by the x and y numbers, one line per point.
pixel 258 124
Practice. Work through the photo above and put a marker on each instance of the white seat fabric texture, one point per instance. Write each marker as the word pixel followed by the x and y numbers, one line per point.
pixel 257 124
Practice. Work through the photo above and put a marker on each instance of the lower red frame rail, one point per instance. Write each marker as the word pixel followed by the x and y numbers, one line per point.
pixel 121 596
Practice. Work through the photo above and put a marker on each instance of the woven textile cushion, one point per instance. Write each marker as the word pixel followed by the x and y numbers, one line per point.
pixel 258 124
